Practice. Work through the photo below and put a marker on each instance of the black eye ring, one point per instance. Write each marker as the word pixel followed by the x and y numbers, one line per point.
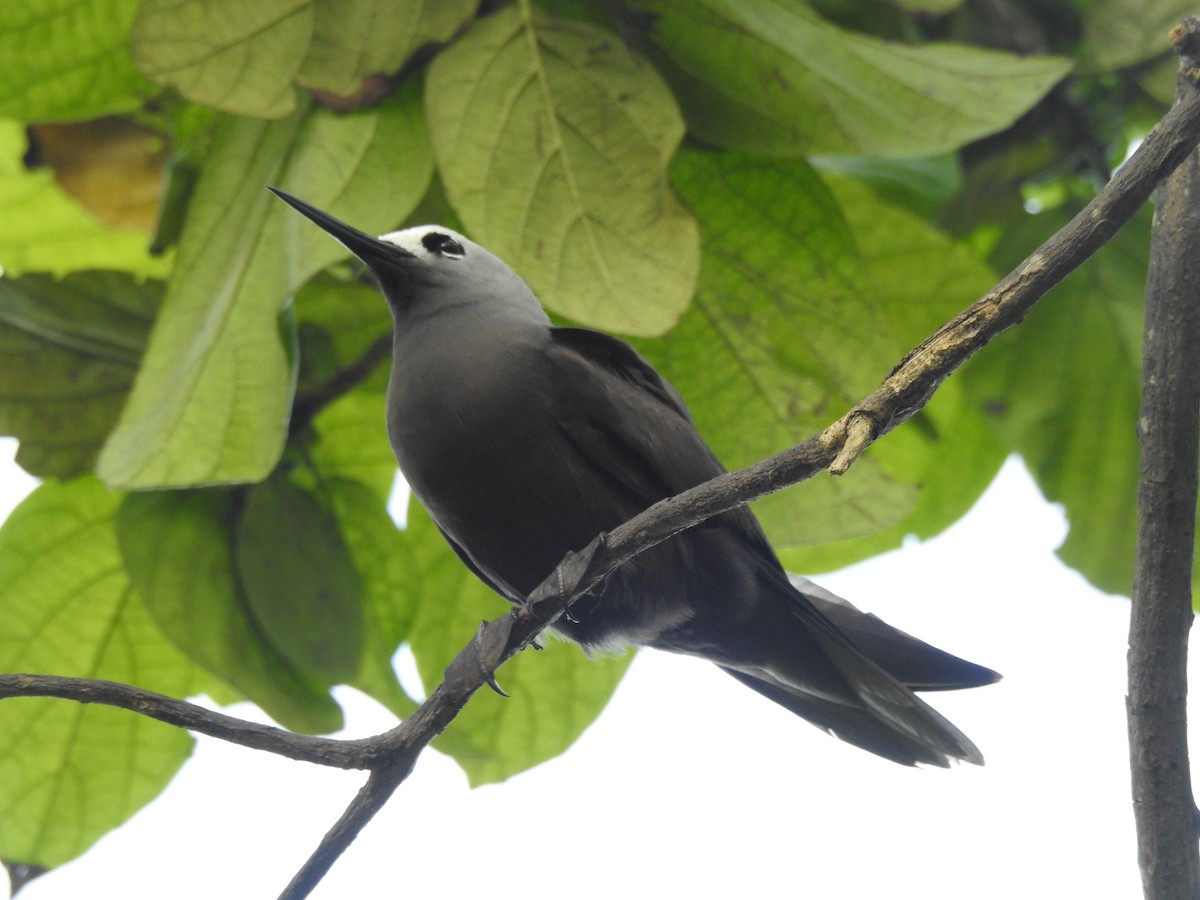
pixel 442 244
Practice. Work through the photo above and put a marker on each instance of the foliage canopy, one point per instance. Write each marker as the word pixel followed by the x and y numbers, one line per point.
pixel 773 200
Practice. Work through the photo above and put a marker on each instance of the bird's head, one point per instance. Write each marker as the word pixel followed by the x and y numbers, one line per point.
pixel 430 268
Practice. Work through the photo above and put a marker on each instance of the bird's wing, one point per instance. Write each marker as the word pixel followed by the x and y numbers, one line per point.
pixel 493 581
pixel 631 423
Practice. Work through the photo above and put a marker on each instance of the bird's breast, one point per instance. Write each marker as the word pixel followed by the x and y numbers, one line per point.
pixel 475 436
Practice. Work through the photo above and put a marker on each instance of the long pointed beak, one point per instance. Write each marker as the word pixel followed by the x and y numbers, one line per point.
pixel 370 250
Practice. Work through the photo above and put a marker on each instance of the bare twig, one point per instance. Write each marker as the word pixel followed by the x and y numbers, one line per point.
pixel 324 751
pixel 340 382
pixel 390 756
pixel 1161 613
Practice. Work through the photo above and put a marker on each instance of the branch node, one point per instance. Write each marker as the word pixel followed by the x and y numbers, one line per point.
pixel 860 432
pixel 1185 41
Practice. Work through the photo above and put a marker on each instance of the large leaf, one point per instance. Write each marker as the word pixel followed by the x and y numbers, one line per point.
pixel 298 580
pixel 799 313
pixel 355 40
pixel 44 230
pixel 553 140
pixel 774 77
pixel 352 442
pixel 554 693
pixel 71 772
pixel 231 55
pixel 381 554
pixel 346 319
pixel 783 336
pixel 67 59
pixel 1063 391
pixel 68 353
pixel 178 549
pixel 920 279
pixel 211 401
pixel 247 59
pixel 1118 33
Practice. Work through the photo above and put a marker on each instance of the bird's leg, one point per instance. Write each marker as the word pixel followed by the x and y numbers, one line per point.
pixel 561 578
pixel 563 583
pixel 574 570
pixel 486 645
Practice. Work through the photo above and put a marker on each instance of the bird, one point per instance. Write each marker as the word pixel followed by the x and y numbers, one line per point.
pixel 525 440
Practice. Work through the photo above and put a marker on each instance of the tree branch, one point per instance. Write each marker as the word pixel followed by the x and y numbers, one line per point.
pixel 390 756
pixel 1161 612
pixel 309 404
pixel 180 713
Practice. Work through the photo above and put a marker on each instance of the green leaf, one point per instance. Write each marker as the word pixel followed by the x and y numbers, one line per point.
pixel 67 60
pixel 1063 390
pixel 1119 33
pixel 233 56
pixel 555 693
pixel 213 392
pixel 921 279
pixel 928 6
pixel 44 230
pixel 211 401
pixel 917 274
pixel 298 580
pixel 807 299
pixel 922 185
pixel 352 442
pixel 948 451
pixel 70 772
pixel 68 353
pixel 381 554
pixel 351 434
pixel 774 77
pixel 552 141
pixel 345 330
pixel 177 548
pixel 355 40
pixel 782 337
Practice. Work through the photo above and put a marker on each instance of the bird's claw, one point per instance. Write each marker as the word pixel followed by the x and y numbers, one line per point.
pixel 495 686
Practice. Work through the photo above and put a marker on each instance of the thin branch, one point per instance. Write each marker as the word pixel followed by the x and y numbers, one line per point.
pixel 390 756
pixel 1161 612
pixel 180 713
pixel 370 799
pixel 340 382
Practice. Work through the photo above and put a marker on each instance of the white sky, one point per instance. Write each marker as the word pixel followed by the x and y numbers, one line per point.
pixel 691 785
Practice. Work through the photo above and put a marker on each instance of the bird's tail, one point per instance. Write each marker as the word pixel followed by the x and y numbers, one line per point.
pixel 863 692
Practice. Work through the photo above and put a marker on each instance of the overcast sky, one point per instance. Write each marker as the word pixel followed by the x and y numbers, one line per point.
pixel 691 784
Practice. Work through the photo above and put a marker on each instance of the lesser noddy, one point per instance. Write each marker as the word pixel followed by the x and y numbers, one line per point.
pixel 525 440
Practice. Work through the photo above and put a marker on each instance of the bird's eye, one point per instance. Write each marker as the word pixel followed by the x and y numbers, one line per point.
pixel 443 245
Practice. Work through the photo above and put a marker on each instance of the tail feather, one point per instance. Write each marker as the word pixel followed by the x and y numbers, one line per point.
pixel 895 704
pixel 811 662
pixel 876 712
pixel 857 726
pixel 911 661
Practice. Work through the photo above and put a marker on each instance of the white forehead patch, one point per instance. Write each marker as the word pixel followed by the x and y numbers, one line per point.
pixel 429 242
